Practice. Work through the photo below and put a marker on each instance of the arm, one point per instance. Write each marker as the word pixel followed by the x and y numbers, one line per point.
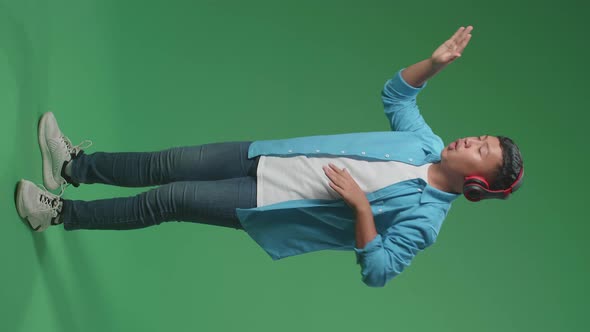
pixel 381 258
pixel 418 73
pixel 399 93
pixel 387 255
pixel 365 226
pixel 399 103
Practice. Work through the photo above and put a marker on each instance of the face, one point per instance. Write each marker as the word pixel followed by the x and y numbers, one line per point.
pixel 481 155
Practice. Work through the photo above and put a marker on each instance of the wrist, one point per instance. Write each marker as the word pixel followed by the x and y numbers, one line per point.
pixel 362 208
pixel 435 65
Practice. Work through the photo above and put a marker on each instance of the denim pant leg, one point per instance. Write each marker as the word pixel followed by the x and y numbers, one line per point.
pixel 202 184
pixel 213 161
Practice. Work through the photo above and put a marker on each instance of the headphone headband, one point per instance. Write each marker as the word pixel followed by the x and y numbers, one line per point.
pixel 476 188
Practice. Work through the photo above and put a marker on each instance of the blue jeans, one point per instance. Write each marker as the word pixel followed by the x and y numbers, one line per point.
pixel 201 184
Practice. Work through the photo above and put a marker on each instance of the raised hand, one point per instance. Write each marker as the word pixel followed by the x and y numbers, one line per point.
pixel 452 48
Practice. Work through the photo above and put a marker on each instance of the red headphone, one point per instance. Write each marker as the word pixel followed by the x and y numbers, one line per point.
pixel 476 188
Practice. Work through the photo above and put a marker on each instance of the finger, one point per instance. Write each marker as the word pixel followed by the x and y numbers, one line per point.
pixel 335 187
pixel 464 44
pixel 345 173
pixel 337 171
pixel 334 167
pixel 332 174
pixel 329 169
pixel 457 33
pixel 464 34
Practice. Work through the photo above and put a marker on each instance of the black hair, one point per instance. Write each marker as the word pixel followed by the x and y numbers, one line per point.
pixel 507 173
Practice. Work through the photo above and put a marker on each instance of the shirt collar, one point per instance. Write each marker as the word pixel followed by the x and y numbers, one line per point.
pixel 433 195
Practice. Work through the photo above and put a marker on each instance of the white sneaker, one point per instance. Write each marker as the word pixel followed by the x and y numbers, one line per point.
pixel 56 150
pixel 39 207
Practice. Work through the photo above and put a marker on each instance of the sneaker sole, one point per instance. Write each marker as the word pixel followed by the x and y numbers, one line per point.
pixel 20 207
pixel 50 182
pixel 18 199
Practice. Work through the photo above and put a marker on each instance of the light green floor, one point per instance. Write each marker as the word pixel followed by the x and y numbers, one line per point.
pixel 148 75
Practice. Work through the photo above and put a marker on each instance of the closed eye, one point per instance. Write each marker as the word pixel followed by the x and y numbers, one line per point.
pixel 480 148
pixel 482 139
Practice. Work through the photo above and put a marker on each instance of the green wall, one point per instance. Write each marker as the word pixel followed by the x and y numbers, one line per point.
pixel 147 75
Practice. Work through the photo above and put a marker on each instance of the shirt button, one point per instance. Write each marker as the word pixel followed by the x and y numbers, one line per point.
pixel 342 151
pixel 387 155
pixel 380 210
pixel 317 150
pixel 410 159
pixel 290 150
pixel 363 152
pixel 419 189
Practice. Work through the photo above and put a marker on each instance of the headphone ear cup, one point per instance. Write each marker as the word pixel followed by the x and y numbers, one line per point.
pixel 474 189
pixel 473 193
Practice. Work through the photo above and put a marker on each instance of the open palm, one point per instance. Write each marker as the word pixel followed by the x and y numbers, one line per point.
pixel 452 48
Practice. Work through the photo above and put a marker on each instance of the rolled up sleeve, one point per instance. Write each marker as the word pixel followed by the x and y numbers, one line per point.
pixel 399 102
pixel 388 255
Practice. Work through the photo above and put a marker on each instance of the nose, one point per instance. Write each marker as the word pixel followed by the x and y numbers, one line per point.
pixel 469 141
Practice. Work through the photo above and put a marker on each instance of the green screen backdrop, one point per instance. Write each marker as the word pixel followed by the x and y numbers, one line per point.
pixel 148 75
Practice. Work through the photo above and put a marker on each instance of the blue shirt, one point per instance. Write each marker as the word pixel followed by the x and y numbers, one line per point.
pixel 408 215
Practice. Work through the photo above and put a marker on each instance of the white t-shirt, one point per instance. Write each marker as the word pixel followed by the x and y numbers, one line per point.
pixel 282 179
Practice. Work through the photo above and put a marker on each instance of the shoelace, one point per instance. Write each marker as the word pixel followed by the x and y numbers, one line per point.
pixel 73 150
pixel 52 203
